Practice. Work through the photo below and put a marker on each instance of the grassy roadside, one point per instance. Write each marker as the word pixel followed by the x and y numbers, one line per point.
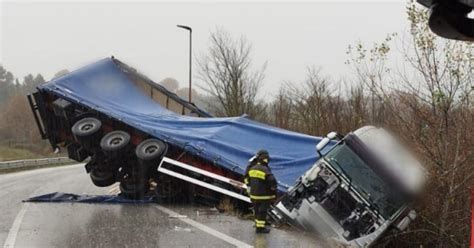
pixel 9 154
pixel 34 167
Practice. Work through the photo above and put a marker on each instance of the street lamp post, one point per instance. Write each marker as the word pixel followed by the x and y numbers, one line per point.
pixel 190 55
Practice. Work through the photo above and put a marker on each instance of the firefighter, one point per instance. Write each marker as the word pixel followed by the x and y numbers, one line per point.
pixel 261 185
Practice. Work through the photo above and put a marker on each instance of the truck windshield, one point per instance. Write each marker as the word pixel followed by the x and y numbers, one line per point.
pixel 364 179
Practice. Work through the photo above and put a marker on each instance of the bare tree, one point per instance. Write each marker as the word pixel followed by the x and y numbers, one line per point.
pixel 7 86
pixel 184 93
pixel 227 71
pixel 61 73
pixel 310 102
pixel 171 84
pixel 430 104
pixel 281 110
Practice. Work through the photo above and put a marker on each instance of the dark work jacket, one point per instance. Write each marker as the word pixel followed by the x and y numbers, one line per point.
pixel 261 181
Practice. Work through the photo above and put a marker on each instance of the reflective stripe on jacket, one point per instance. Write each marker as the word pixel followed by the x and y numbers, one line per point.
pixel 263 197
pixel 261 181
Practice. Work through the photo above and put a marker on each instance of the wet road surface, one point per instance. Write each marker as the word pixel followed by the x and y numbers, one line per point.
pixel 116 225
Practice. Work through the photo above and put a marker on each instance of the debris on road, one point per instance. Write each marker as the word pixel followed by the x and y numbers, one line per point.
pixel 177 216
pixel 210 211
pixel 182 229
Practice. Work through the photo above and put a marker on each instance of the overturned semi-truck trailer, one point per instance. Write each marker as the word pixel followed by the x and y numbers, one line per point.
pixel 135 132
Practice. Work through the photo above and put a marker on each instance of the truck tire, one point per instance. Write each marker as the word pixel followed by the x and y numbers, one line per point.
pixel 133 189
pixel 115 142
pixel 86 132
pixel 151 150
pixel 102 178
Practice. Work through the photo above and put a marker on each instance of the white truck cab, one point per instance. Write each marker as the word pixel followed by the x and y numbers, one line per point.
pixel 357 190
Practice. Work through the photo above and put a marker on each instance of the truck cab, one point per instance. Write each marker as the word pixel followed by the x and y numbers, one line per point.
pixel 360 187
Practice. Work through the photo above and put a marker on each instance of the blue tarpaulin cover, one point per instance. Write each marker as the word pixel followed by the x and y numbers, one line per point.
pixel 228 142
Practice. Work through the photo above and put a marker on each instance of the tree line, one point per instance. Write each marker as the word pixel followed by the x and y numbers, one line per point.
pixel 17 127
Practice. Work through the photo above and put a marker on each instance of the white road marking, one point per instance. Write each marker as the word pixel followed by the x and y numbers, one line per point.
pixel 11 238
pixel 15 228
pixel 205 228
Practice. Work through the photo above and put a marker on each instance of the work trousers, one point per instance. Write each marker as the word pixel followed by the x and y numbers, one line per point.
pixel 260 209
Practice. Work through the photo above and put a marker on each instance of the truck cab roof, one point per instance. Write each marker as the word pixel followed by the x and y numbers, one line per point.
pixel 396 161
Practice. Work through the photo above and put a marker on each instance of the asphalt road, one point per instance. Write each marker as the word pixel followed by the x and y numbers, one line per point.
pixel 116 225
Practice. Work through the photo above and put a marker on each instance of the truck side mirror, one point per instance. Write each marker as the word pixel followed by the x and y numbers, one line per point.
pixel 332 135
pixel 405 221
pixel 322 144
pixel 325 141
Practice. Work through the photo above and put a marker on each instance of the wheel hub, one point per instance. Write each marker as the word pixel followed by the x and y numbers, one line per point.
pixel 116 141
pixel 151 149
pixel 87 127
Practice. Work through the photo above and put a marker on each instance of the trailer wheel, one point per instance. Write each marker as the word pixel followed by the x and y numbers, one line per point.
pixel 151 149
pixel 102 178
pixel 115 141
pixel 133 189
pixel 86 131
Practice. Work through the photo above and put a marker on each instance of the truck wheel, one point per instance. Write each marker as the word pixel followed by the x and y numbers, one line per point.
pixel 86 131
pixel 151 149
pixel 102 178
pixel 133 189
pixel 114 142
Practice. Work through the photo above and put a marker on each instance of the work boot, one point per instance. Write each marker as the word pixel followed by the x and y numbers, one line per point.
pixel 262 230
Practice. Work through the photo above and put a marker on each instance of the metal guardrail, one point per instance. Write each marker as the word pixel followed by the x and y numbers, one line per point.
pixel 33 162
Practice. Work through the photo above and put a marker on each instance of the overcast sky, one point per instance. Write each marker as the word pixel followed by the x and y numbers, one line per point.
pixel 48 37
